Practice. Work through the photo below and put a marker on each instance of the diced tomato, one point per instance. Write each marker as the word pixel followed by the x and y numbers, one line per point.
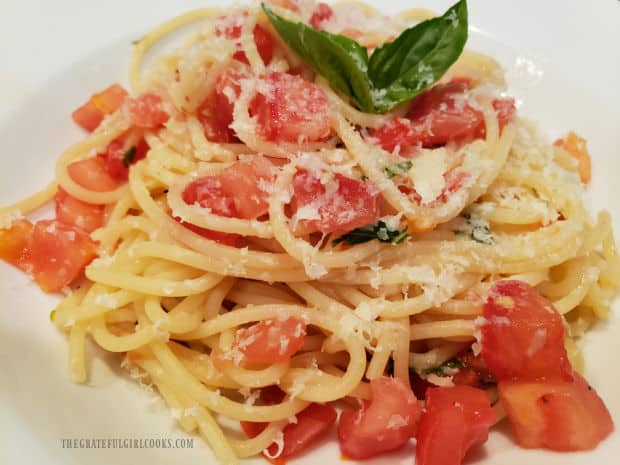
pixel 322 13
pixel 147 111
pixel 269 342
pixel 455 420
pixel 91 173
pixel 523 334
pixel 247 183
pixel 208 193
pixel 312 423
pixel 230 27
pixel 115 157
pixel 474 371
pixel 563 416
pixel 216 112
pixel 15 244
pixel 577 147
pixel 439 115
pixel 383 424
pixel 291 109
pixel 217 236
pixel 349 205
pixel 74 212
pixel 90 115
pixel 59 253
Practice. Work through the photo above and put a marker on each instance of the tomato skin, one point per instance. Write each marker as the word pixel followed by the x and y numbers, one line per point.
pixel 557 415
pixel 383 424
pixel 523 334
pixel 353 204
pixel 291 110
pixel 15 244
pixel 440 115
pixel 146 111
pixel 322 13
pixel 59 253
pixel 92 174
pixel 269 341
pixel 455 420
pixel 90 114
pixel 312 423
pixel 74 212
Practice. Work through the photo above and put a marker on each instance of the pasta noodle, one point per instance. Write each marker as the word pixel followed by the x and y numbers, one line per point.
pixel 169 299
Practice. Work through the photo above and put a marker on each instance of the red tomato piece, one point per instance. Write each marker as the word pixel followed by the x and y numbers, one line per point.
pixel 523 334
pixel 474 371
pixel 90 115
pixel 454 420
pixel 352 204
pixel 230 27
pixel 115 157
pixel 147 111
pixel 59 253
pixel 15 244
pixel 312 423
pixel 291 109
pixel 322 13
pixel 91 173
pixel 558 415
pixel 208 193
pixel 217 236
pixel 247 183
pixel 74 212
pixel 268 342
pixel 440 115
pixel 383 424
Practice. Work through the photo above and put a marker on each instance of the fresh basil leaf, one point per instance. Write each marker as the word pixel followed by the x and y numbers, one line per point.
pixel 477 229
pixel 418 57
pixel 340 60
pixel 397 168
pixel 445 368
pixel 128 156
pixel 380 231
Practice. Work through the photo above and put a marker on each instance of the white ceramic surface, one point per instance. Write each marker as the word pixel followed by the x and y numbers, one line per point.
pixel 563 65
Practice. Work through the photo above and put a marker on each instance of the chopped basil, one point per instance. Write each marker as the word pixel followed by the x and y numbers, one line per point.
pixel 128 156
pixel 477 229
pixel 52 315
pixel 395 73
pixel 445 368
pixel 397 168
pixel 380 231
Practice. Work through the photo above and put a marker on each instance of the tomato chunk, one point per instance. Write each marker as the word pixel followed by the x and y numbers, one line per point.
pixel 90 115
pixel 91 173
pixel 74 212
pixel 311 424
pixel 247 183
pixel 383 424
pixel 208 193
pixel 291 109
pixel 558 415
pixel 230 27
pixel 322 13
pixel 15 244
pixel 147 111
pixel 523 334
pixel 116 162
pixel 454 421
pixel 349 204
pixel 267 342
pixel 59 253
pixel 577 147
pixel 440 115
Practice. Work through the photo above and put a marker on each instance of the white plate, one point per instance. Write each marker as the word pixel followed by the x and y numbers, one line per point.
pixel 562 62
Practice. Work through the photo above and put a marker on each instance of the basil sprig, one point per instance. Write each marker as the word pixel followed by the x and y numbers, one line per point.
pixel 380 231
pixel 128 156
pixel 396 72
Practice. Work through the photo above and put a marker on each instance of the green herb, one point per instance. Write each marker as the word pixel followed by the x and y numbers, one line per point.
pixel 396 72
pixel 137 41
pixel 380 231
pixel 128 156
pixel 442 370
pixel 52 315
pixel 477 229
pixel 397 168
